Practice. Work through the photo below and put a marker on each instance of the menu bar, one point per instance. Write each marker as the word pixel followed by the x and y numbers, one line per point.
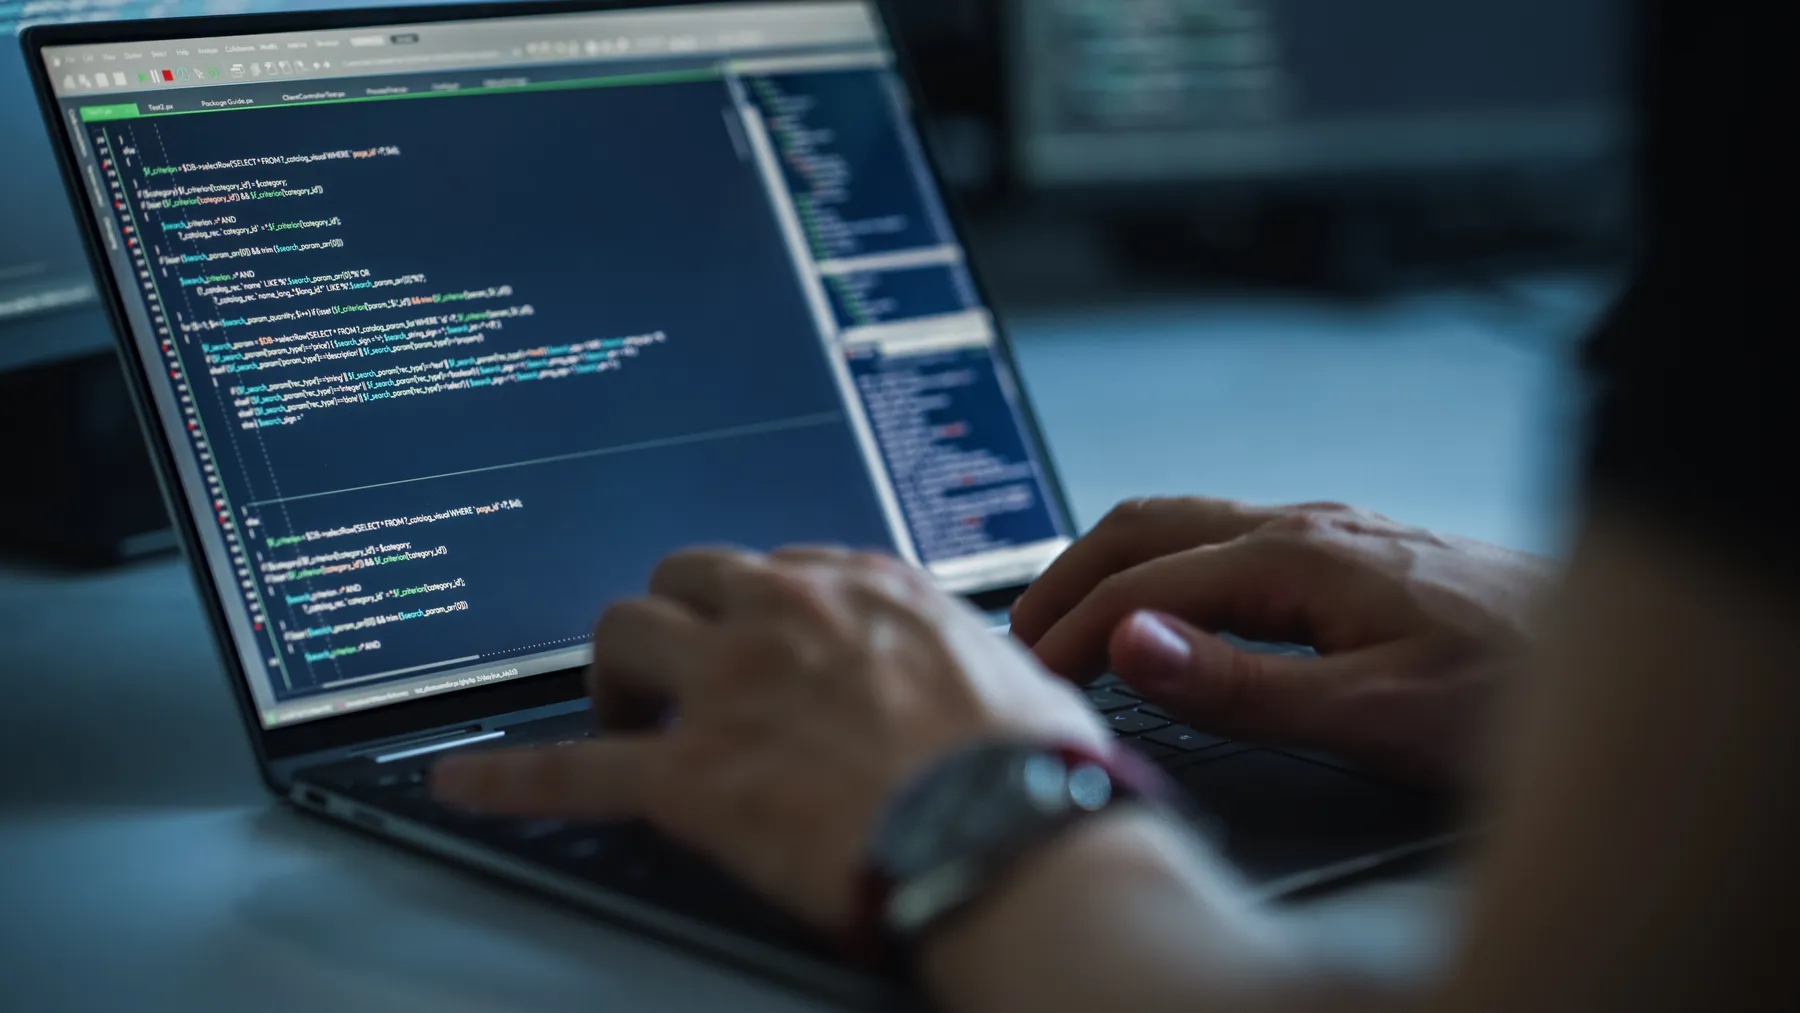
pixel 703 30
pixel 269 95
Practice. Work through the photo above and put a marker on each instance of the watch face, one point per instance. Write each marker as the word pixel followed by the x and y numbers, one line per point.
pixel 970 803
pixel 1088 787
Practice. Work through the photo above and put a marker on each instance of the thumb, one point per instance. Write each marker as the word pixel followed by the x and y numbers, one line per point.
pixel 1226 689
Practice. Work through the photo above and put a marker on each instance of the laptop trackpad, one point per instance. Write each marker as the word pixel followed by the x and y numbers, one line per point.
pixel 1281 816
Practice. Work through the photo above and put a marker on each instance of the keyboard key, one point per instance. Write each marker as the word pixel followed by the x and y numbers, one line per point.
pixel 1116 684
pixel 1185 739
pixel 1105 700
pixel 1155 711
pixel 1325 759
pixel 533 830
pixel 1134 722
pixel 586 849
pixel 1152 749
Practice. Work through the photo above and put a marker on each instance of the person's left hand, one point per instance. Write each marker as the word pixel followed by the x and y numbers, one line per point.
pixel 806 687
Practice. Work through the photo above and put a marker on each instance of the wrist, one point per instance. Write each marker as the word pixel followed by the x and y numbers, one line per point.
pixel 1040 916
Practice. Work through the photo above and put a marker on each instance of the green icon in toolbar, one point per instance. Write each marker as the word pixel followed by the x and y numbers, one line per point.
pixel 212 72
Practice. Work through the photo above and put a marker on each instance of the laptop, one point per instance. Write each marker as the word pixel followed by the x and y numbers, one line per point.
pixel 445 324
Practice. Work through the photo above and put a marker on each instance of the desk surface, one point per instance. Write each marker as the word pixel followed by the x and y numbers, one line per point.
pixel 143 868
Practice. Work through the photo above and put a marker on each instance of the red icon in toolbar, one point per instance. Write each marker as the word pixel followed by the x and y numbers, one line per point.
pixel 167 75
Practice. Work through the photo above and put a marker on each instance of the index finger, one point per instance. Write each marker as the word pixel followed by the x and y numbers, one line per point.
pixel 602 779
pixel 647 652
pixel 1135 532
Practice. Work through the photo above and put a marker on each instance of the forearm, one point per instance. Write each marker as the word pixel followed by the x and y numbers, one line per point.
pixel 1126 913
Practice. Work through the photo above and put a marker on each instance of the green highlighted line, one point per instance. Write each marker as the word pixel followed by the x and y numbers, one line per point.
pixel 130 110
pixel 126 111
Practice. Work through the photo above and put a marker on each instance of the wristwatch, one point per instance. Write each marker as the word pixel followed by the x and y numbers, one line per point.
pixel 956 830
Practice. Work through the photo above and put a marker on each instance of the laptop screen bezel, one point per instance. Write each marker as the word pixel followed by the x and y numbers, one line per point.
pixel 401 720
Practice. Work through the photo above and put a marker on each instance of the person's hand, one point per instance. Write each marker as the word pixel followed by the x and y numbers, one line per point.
pixel 805 688
pixel 1413 629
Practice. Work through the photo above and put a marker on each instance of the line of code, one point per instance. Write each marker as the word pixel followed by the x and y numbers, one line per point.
pixel 851 173
pixel 960 466
pixel 414 344
pixel 262 343
pixel 872 298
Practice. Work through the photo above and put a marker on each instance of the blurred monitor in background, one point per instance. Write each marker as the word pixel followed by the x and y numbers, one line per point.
pixel 1353 145
pixel 1124 91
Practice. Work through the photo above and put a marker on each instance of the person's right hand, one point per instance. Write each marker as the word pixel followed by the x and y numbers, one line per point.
pixel 1413 630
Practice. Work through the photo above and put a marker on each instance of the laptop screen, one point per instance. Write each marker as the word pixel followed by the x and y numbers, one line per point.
pixel 456 328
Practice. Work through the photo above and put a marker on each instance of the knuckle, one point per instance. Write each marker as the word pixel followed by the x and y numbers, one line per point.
pixel 676 560
pixel 1293 548
pixel 1131 512
pixel 1298 526
pixel 794 590
pixel 617 615
pixel 1293 545
pixel 878 563
pixel 813 555
pixel 889 574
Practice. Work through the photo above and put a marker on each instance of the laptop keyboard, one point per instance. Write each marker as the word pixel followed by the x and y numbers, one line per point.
pixel 1146 727
pixel 625 858
pixel 633 860
pixel 1277 814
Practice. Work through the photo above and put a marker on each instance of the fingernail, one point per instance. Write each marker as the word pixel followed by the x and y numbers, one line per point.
pixel 1162 653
